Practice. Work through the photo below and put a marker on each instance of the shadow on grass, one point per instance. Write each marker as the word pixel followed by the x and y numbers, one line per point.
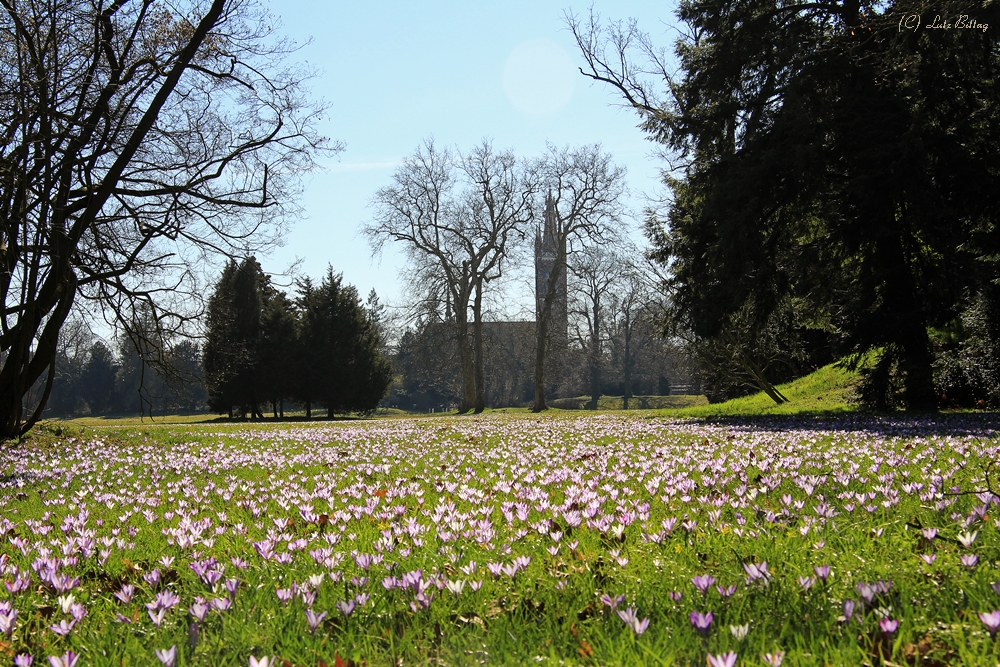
pixel 897 424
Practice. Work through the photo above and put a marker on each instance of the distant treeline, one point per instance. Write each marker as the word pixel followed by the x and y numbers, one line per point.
pixel 95 379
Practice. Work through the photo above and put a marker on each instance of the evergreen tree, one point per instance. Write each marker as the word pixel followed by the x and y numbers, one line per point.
pixel 832 157
pixel 276 350
pixel 97 382
pixel 232 344
pixel 340 344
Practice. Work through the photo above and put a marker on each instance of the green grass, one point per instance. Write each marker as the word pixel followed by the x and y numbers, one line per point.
pixel 607 403
pixel 825 391
pixel 602 505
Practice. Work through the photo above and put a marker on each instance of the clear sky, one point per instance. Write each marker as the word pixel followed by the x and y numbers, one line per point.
pixel 395 73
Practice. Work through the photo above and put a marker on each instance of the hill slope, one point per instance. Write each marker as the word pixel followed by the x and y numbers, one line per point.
pixel 824 390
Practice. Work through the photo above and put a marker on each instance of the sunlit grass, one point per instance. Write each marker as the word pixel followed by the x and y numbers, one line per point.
pixel 504 539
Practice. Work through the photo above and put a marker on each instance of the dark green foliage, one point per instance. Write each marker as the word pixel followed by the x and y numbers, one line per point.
pixel 339 344
pixel 276 348
pixel 97 382
pixel 232 341
pixel 838 161
pixel 261 348
pixel 967 369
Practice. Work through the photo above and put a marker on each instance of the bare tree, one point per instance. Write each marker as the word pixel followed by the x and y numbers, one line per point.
pixel 584 205
pixel 138 138
pixel 596 270
pixel 458 217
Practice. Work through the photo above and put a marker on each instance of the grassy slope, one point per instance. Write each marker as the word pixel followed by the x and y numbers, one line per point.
pixel 823 391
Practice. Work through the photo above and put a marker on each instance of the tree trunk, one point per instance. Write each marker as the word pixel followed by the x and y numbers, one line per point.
pixel 477 336
pixel 468 401
pixel 542 332
pixel 595 357
pixel 309 412
pixel 627 389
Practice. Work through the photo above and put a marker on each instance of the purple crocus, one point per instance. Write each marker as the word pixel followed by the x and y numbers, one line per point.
pixel 969 560
pixel 69 659
pixel 991 620
pixel 63 628
pixel 701 622
pixel 609 601
pixel 632 620
pixel 724 660
pixel 199 610
pixel 346 608
pixel 703 582
pixel 888 625
pixel 168 656
pixel 314 619
pixel 23 660
pixel 822 571
pixel 773 659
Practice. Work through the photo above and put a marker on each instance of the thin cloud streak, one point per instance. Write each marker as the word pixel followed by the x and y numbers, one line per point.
pixel 343 167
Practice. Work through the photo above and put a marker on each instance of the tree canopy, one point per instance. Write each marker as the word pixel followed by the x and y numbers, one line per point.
pixel 139 138
pixel 830 161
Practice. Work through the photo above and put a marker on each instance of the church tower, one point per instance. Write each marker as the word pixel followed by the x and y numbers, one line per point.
pixel 546 249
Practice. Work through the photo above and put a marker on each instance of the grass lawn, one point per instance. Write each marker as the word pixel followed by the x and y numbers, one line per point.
pixel 607 539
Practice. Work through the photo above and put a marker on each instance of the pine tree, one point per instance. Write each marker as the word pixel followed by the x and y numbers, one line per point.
pixel 231 355
pixel 340 344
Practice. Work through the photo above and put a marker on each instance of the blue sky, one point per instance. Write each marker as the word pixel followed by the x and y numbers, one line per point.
pixel 395 73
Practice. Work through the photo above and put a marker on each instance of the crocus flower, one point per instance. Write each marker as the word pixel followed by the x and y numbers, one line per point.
pixel 260 662
pixel 157 617
pixel 609 601
pixel 929 534
pixel 346 608
pixel 125 594
pixel 632 620
pixel 199 610
pixel 314 619
pixel 740 631
pixel 822 571
pixel 928 558
pixel 966 539
pixel 68 660
pixel 23 660
pixel 888 625
pixel 701 621
pixel 969 560
pixel 991 620
pixel 724 660
pixel 773 659
pixel 848 609
pixel 703 582
pixel 63 628
pixel 726 591
pixel 7 621
pixel 168 656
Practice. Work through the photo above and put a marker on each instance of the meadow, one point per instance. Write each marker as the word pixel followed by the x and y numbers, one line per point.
pixel 621 539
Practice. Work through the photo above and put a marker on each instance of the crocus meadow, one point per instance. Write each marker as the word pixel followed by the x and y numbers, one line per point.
pixel 504 539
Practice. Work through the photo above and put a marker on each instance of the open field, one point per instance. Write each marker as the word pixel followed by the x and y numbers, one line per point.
pixel 505 539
